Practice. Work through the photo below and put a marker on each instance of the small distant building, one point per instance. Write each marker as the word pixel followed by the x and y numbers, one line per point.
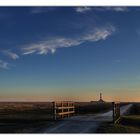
pixel 101 99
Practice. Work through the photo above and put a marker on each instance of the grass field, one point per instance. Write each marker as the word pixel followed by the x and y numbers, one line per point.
pixel 117 128
pixel 31 111
pixel 131 120
pixel 92 107
pixel 14 111
pixel 25 127
pixel 31 117
pixel 127 124
pixel 135 109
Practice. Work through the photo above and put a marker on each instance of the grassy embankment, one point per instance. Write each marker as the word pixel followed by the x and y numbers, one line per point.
pixel 127 124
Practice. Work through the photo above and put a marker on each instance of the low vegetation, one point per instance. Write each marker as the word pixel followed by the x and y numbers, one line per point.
pixel 26 117
pixel 127 124
pixel 25 111
pixel 131 120
pixel 117 128
pixel 92 107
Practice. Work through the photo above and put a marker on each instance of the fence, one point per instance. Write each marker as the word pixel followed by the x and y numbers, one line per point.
pixel 63 109
pixel 116 111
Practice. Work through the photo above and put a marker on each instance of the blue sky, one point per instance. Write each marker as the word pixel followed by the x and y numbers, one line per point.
pixel 73 53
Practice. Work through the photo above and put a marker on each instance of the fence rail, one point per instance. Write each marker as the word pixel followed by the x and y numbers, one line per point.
pixel 63 109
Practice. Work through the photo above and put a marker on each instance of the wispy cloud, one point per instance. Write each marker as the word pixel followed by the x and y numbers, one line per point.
pixel 83 9
pixel 87 9
pixel 4 65
pixel 38 10
pixel 115 8
pixel 43 47
pixel 99 33
pixel 119 9
pixel 29 52
pixel 50 45
pixel 10 54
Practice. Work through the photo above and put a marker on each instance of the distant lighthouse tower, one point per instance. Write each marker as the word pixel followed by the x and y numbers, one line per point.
pixel 101 100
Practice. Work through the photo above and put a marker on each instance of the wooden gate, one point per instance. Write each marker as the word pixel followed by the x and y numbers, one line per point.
pixel 63 109
pixel 116 111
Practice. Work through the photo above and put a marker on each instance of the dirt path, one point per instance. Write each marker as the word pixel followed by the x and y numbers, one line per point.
pixel 84 123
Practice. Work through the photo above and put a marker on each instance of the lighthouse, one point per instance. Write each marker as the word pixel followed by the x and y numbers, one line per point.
pixel 101 100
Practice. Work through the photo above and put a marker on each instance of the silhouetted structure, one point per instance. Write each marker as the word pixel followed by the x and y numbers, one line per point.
pixel 101 100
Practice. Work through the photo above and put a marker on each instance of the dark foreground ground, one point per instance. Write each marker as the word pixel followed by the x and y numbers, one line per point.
pixel 126 124
pixel 85 123
pixel 37 118
pixel 34 117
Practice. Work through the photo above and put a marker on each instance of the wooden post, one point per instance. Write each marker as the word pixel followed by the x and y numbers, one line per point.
pixel 73 108
pixel 116 111
pixel 68 109
pixel 62 110
pixel 113 110
pixel 54 111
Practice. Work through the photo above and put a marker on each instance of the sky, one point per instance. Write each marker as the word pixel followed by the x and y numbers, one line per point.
pixel 69 53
